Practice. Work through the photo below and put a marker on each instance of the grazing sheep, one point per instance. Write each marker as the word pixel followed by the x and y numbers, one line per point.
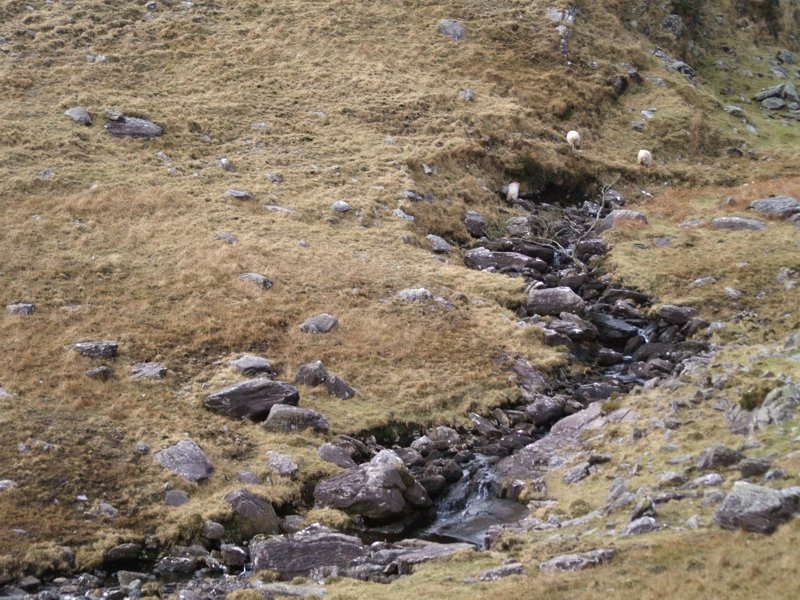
pixel 645 158
pixel 574 139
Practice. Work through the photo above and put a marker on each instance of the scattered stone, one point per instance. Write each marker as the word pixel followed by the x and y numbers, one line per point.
pixel 415 294
pixel 512 192
pixel 281 463
pixel 263 282
pixel 176 498
pixel 96 349
pixel 341 206
pixel 121 126
pixel 101 373
pixel 312 374
pixel 79 115
pixel 227 237
pixel 338 388
pixel 617 217
pixel 226 165
pixel 238 194
pixel 585 249
pixel 292 418
pixel 718 456
pixel 578 562
pixel 754 508
pixel 553 301
pixel 185 459
pixel 781 207
pixel 773 103
pixel 250 364
pixel 319 324
pixel 251 514
pixel 451 29
pixel 252 398
pixel 438 244
pixel 640 526
pixel 275 178
pixel 21 308
pixel 467 95
pixel 753 467
pixel 150 371
pixel 508 570
pixel 401 214
pixel 737 224
pixel 7 484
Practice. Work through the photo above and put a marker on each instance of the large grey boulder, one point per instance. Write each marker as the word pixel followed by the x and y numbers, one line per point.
pixel 618 217
pixel 252 514
pixel 483 258
pixel 319 324
pixel 755 508
pixel 737 224
pixel 252 398
pixel 79 115
pixel 781 207
pixel 718 456
pixel 553 301
pixel 297 555
pixel 122 126
pixel 291 419
pixel 578 562
pixel 475 223
pixel 380 489
pixel 96 349
pixel 186 459
pixel 438 244
pixel 250 365
pixel 312 374
pixel 676 315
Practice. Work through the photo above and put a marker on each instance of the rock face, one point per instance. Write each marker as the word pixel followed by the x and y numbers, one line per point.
pixel 737 224
pixel 291 418
pixel 96 349
pixel 483 258
pixel 319 324
pixel 251 514
pixel 252 398
pixel 755 508
pixel 260 280
pixel 186 459
pixel 578 562
pixel 312 548
pixel 122 126
pixel 380 489
pixel 148 371
pixel 553 301
pixel 781 207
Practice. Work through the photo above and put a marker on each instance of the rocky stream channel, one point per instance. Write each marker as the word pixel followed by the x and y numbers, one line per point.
pixel 417 497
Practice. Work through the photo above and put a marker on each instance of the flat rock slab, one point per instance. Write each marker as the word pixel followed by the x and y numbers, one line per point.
pixel 291 419
pixel 502 572
pixel 133 127
pixel 252 398
pixel 21 308
pixel 483 258
pixel 781 207
pixel 260 280
pixel 148 371
pixel 319 324
pixel 186 459
pixel 738 224
pixel 578 562
pixel 754 508
pixel 250 364
pixel 96 349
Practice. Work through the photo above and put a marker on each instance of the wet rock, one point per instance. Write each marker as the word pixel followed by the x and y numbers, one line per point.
pixel 250 365
pixel 482 258
pixel 148 371
pixel 252 514
pixel 123 126
pixel 21 308
pixel 297 555
pixel 553 301
pixel 338 388
pixel 238 194
pixel 578 562
pixel 754 508
pixel 640 526
pixel 380 489
pixel 96 349
pixel 291 418
pixel 737 224
pixel 252 398
pixel 101 373
pixel 718 456
pixel 475 224
pixel 185 459
pixel 176 498
pixel 452 29
pixel 281 463
pixel 781 207
pixel 79 114
pixel 438 245
pixel 319 324
pixel 263 282
pixel 415 294
pixel 501 572
pixel 619 216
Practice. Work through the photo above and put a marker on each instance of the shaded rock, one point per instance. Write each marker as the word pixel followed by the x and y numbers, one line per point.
pixel 438 244
pixel 312 374
pixel 297 555
pixel 176 498
pixel 339 388
pixel 607 357
pixel 213 530
pixel 79 114
pixel 718 456
pixel 553 301
pixel 336 455
pixel 261 281
pixel 148 371
pixel 249 364
pixel 123 126
pixel 21 308
pixel 128 551
pixel 281 463
pixel 578 562
pixel 291 418
pixel 251 514
pixel 102 373
pixel 232 556
pixel 546 409
pixel 96 349
pixel 252 398
pixel 482 258
pixel 585 249
pixel 676 315
pixel 753 467
pixel 773 103
pixel 754 508
pixel 379 489
pixel 185 459
pixel 640 526
pixel 508 570
pixel 616 217
pixel 781 207
pixel 414 294
pixel 475 224
pixel 341 206
pixel 452 29
pixel 319 324
pixel 737 224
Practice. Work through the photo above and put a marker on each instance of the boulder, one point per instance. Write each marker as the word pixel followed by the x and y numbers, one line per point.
pixel 79 115
pixel 438 244
pixel 676 315
pixel 553 301
pixel 482 258
pixel 585 249
pixel 532 249
pixel 186 459
pixel 770 92
pixel 336 455
pixel 297 555
pixel 773 103
pixel 252 514
pixel 126 552
pixel 781 207
pixel 260 280
pixel 311 374
pixel 101 373
pixel 281 463
pixel 252 398
pixel 341 206
pixel 250 365
pixel 640 526
pixel 415 294
pixel 578 562
pixel 618 217
pixel 232 556
pixel 380 489
pixel 96 349
pixel 754 508
pixel 176 498
pixel 319 324
pixel 226 165
pixel 718 456
pixel 148 371
pixel 546 409
pixel 475 224
pixel 737 224
pixel 238 194
pixel 291 418
pixel 122 126
pixel 518 227
pixel 452 29
pixel 339 388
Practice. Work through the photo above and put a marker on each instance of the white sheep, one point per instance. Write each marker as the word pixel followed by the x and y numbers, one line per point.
pixel 645 158
pixel 574 139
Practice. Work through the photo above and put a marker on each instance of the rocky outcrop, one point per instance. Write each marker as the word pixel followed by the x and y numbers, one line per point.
pixel 756 508
pixel 252 399
pixel 319 324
